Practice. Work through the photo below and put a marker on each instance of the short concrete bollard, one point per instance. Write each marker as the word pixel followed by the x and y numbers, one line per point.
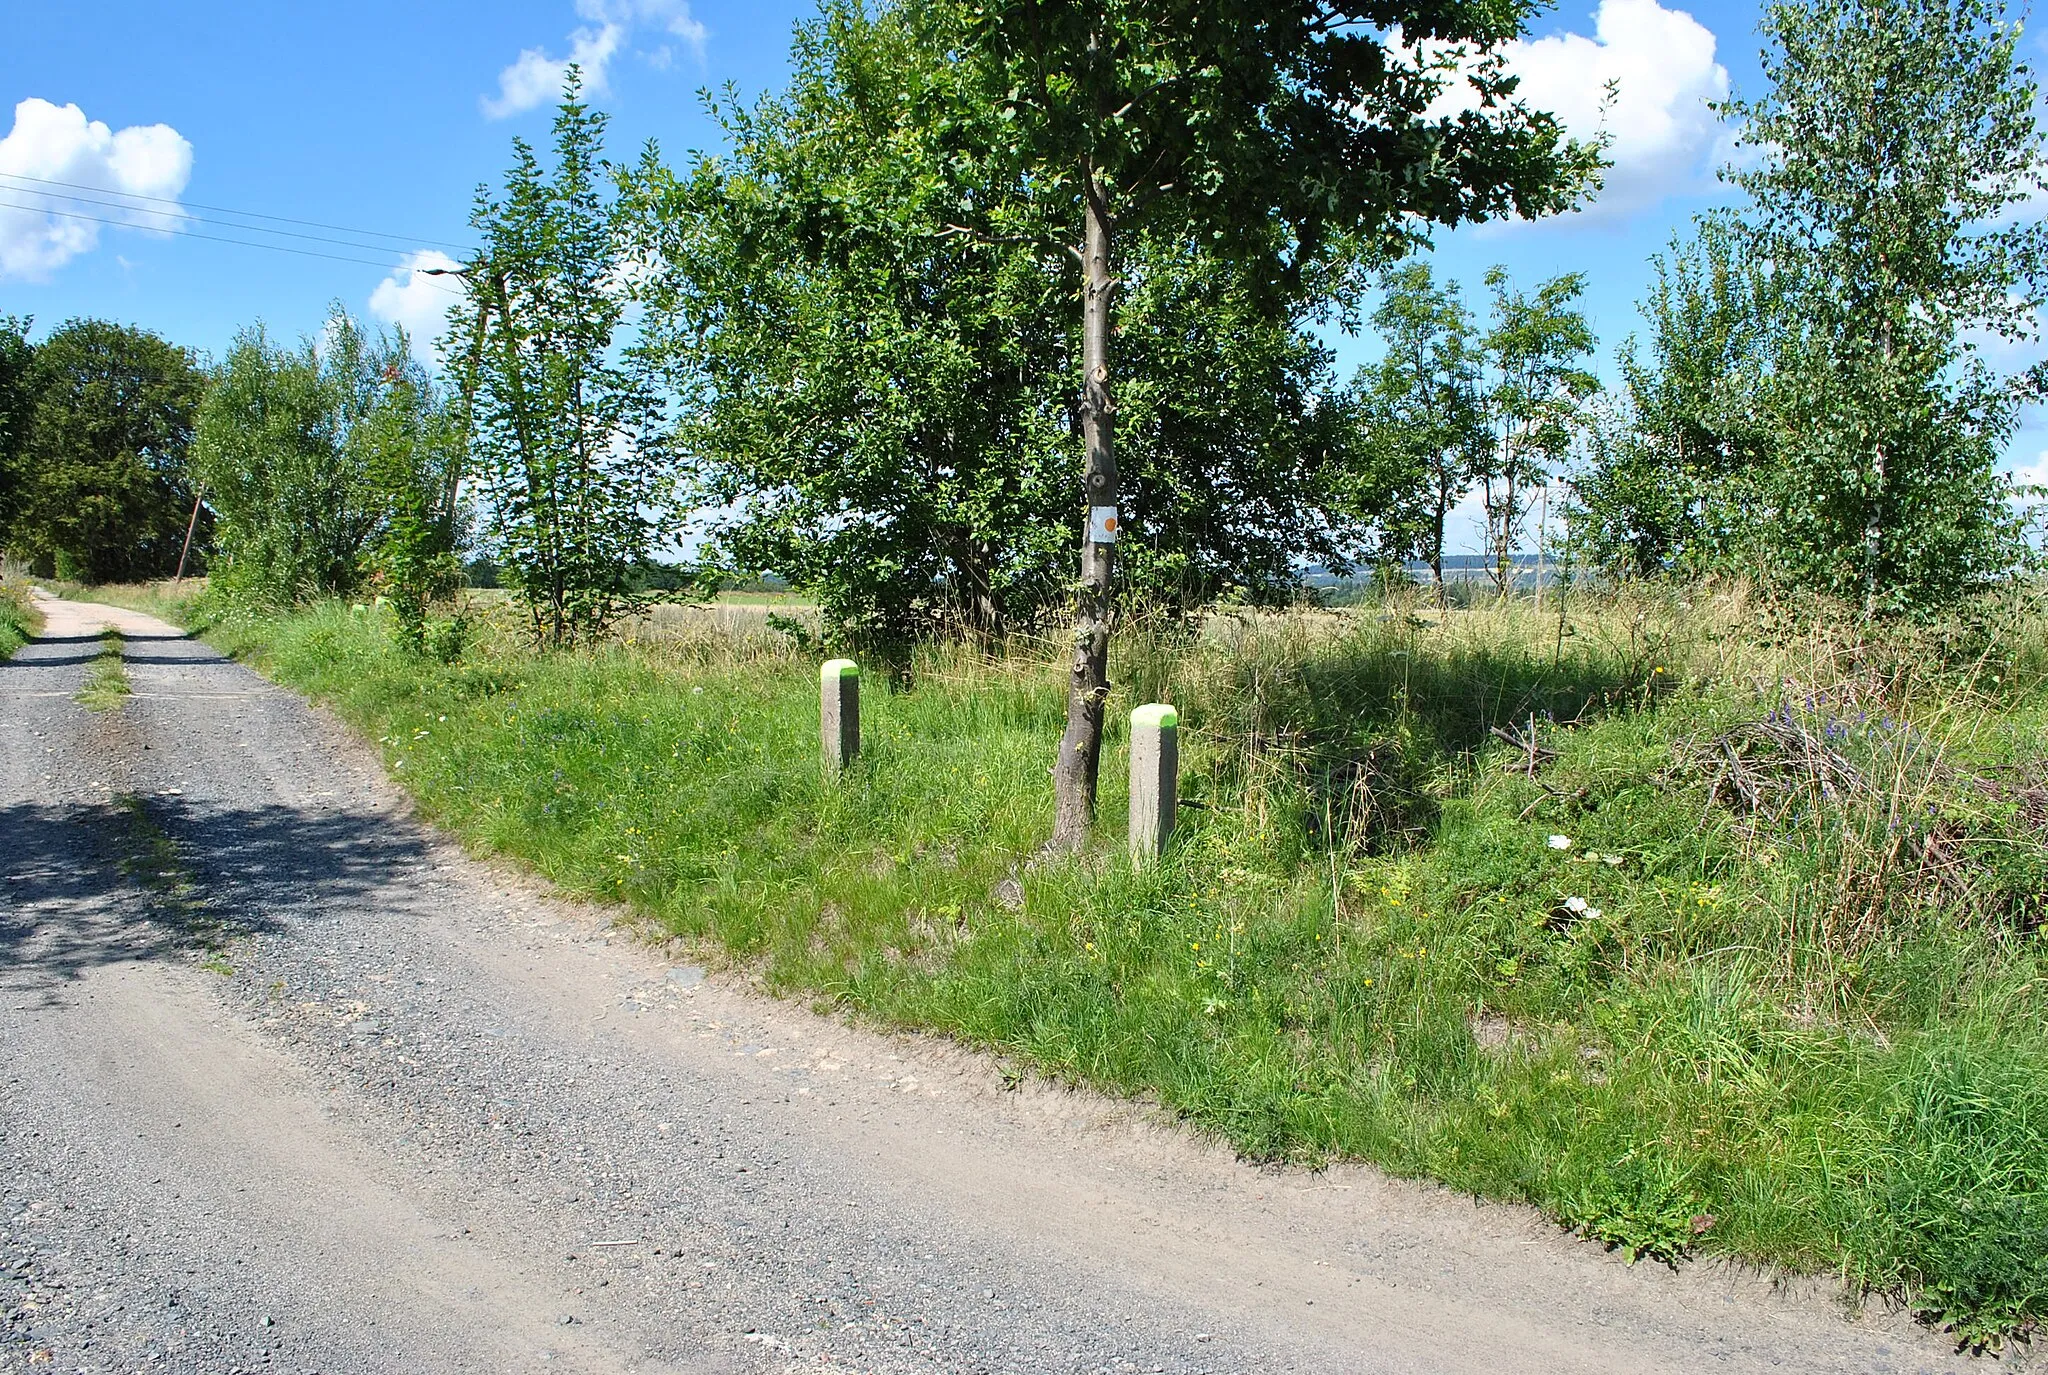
pixel 1155 779
pixel 839 712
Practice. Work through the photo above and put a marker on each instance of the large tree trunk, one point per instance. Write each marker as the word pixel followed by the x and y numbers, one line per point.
pixel 1074 775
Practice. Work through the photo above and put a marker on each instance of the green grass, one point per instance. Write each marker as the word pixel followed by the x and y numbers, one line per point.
pixel 1778 992
pixel 106 680
pixel 19 622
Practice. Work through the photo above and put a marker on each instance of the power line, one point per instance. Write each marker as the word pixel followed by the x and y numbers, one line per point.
pixel 177 215
pixel 215 238
pixel 246 214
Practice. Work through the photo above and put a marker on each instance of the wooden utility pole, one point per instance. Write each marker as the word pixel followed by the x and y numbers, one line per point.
pixel 190 526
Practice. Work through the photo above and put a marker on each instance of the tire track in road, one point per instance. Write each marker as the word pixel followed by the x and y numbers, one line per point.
pixel 402 1109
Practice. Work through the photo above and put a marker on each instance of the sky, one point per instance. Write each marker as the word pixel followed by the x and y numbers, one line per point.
pixel 372 124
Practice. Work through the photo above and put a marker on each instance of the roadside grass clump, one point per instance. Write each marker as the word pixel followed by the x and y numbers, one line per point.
pixel 19 622
pixel 106 680
pixel 1703 927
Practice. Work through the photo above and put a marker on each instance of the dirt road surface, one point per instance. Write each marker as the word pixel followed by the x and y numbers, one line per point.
pixel 289 1083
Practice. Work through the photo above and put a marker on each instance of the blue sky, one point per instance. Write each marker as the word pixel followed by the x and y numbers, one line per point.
pixel 383 117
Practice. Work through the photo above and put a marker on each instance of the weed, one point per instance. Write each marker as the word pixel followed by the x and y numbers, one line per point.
pixel 151 860
pixel 106 680
pixel 19 622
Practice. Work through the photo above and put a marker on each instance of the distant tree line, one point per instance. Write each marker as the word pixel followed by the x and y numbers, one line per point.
pixel 283 472
pixel 95 428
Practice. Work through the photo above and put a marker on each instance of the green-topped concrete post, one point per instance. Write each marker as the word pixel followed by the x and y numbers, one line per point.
pixel 839 712
pixel 1155 779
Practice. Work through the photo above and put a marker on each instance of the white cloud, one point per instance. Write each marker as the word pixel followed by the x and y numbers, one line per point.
pixel 57 143
pixel 2034 474
pixel 535 78
pixel 419 303
pixel 1662 64
pixel 1661 134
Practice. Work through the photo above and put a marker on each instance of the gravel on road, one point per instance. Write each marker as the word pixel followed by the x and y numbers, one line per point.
pixel 290 1083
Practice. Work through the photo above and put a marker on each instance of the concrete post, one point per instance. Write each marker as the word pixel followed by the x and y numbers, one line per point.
pixel 839 713
pixel 1155 779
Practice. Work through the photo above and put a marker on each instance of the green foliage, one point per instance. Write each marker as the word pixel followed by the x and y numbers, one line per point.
pixel 1636 1203
pixel 1236 117
pixel 1239 456
pixel 869 394
pixel 106 677
pixel 17 409
pixel 1364 941
pixel 1423 414
pixel 1815 408
pixel 101 491
pixel 18 619
pixel 883 400
pixel 1896 135
pixel 1282 137
pixel 301 451
pixel 1695 442
pixel 1536 389
pixel 1963 1185
pixel 561 429
pixel 415 460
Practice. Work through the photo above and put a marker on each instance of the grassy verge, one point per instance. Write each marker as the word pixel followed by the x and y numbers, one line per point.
pixel 1699 929
pixel 19 622
pixel 106 680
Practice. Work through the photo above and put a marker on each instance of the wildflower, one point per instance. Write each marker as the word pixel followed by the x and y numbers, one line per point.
pixel 1575 904
pixel 1560 842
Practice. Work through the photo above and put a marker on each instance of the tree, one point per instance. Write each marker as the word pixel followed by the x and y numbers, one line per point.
pixel 1690 454
pixel 1240 459
pixel 865 395
pixel 562 433
pixel 1534 403
pixel 414 457
pixel 1270 131
pixel 17 406
pixel 881 401
pixel 1423 410
pixel 300 449
pixel 1895 140
pixel 104 493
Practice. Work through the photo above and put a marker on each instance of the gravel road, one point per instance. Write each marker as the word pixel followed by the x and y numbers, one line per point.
pixel 288 1082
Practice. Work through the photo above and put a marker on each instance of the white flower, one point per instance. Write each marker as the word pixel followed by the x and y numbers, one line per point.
pixel 1560 842
pixel 1575 904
